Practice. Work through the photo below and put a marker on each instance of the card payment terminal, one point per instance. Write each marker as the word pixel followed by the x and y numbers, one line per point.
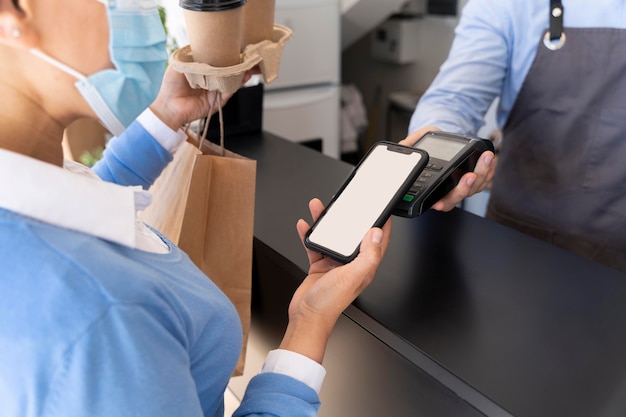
pixel 450 157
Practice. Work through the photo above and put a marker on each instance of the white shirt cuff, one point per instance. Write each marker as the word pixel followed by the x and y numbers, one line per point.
pixel 161 132
pixel 296 366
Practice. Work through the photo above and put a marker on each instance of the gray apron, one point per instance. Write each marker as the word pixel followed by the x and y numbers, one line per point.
pixel 561 173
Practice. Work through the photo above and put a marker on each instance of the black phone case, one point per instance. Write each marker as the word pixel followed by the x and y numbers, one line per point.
pixel 388 209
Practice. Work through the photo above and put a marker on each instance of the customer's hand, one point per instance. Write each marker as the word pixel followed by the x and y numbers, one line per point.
pixel 329 289
pixel 178 103
pixel 470 183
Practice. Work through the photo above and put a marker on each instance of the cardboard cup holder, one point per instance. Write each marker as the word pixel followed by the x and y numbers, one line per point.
pixel 266 54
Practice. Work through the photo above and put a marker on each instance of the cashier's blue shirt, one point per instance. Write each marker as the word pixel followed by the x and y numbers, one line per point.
pixel 494 47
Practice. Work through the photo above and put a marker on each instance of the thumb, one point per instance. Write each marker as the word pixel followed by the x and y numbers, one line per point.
pixel 370 254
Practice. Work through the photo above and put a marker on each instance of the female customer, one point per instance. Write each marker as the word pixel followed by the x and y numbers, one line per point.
pixel 102 316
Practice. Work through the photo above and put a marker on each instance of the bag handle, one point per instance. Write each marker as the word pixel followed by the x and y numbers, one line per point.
pixel 218 98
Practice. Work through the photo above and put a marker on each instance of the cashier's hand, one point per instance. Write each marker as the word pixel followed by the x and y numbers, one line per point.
pixel 177 103
pixel 470 183
pixel 329 289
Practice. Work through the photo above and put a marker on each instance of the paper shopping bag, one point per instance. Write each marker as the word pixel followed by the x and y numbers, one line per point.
pixel 170 192
pixel 204 202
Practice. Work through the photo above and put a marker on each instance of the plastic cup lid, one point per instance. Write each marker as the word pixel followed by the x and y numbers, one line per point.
pixel 210 5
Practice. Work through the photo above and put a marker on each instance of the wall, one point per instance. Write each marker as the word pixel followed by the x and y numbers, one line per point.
pixel 359 16
pixel 376 79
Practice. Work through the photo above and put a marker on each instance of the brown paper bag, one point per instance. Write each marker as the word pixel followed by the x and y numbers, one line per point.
pixel 204 202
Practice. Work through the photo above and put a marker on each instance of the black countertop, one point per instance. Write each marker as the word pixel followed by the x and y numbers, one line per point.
pixel 505 323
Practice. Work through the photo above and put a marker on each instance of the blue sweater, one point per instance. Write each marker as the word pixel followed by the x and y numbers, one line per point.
pixel 133 158
pixel 92 328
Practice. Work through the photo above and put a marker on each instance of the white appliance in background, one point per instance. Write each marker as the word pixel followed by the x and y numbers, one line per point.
pixel 303 103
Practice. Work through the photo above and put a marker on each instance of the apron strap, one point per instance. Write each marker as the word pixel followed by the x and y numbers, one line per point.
pixel 556 19
pixel 555 37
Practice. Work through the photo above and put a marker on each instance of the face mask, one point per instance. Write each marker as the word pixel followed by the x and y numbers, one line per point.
pixel 137 48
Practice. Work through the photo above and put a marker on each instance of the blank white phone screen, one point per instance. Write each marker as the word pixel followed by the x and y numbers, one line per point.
pixel 362 202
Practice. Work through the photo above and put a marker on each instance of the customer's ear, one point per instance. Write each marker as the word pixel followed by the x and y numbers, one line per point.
pixel 15 27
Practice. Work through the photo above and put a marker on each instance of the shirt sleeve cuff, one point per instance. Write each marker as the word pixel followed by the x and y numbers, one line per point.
pixel 296 366
pixel 161 132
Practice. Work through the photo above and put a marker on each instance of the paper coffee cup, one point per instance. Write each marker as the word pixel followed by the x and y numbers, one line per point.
pixel 258 21
pixel 214 28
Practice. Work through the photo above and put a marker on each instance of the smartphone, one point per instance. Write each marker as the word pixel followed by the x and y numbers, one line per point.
pixel 366 199
pixel 451 156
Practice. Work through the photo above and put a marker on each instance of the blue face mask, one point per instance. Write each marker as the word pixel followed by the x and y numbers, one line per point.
pixel 137 47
